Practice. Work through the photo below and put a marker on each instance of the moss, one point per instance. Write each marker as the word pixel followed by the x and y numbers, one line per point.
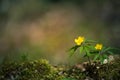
pixel 96 71
pixel 42 70
pixel 30 70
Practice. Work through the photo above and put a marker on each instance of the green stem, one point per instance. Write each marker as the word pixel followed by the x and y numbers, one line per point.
pixel 89 59
pixel 87 56
pixel 101 56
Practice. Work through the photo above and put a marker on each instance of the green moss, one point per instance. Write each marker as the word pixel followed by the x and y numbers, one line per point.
pixel 42 70
pixel 96 71
pixel 30 70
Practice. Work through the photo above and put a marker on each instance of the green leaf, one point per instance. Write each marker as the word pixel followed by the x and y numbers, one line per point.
pixel 71 52
pixel 115 50
pixel 73 49
pixel 105 56
pixel 96 57
pixel 88 54
pixel 87 51
pixel 106 49
pixel 101 59
pixel 94 52
pixel 81 49
pixel 110 52
pixel 90 48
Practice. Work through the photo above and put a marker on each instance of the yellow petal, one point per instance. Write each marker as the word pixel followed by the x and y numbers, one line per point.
pixel 76 40
pixel 98 46
pixel 79 40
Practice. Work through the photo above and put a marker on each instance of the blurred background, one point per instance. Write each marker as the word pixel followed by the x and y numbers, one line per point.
pixel 47 28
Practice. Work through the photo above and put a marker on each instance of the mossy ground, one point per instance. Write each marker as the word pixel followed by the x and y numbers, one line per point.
pixel 42 70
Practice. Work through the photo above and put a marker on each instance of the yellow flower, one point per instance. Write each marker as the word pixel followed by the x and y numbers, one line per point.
pixel 79 40
pixel 98 46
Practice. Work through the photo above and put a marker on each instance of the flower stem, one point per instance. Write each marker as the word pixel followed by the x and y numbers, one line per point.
pixel 87 55
pixel 89 60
